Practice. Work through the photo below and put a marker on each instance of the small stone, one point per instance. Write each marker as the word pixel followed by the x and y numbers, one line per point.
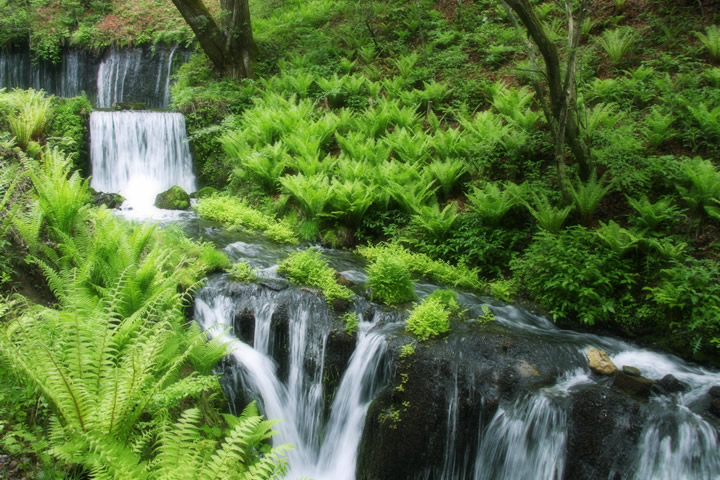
pixel 173 199
pixel 342 280
pixel 714 391
pixel 640 386
pixel 526 370
pixel 632 371
pixel 599 362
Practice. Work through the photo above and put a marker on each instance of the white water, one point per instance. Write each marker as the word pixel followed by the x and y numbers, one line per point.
pixel 324 450
pixel 139 154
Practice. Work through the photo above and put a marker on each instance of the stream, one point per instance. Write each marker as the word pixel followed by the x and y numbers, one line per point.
pixel 289 352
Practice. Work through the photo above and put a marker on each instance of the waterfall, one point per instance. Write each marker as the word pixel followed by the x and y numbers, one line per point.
pixel 137 74
pixel 139 154
pixel 284 367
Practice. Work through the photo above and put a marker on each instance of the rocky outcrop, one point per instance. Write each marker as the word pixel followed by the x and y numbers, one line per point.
pixel 599 362
pixel 173 199
pixel 476 367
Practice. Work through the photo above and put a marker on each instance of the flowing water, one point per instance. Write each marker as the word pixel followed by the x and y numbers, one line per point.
pixel 139 154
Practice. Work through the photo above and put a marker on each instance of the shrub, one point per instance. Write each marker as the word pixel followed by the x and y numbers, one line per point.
pixel 711 41
pixel 690 292
pixel 236 212
pixel 617 43
pixel 389 280
pixel 29 113
pixel 243 272
pixel 424 266
pixel 309 267
pixel 429 319
pixel 573 275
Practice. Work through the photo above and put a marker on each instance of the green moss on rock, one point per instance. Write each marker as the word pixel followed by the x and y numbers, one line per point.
pixel 173 199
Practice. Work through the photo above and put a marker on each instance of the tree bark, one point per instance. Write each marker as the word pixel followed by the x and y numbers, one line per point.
pixel 563 107
pixel 229 45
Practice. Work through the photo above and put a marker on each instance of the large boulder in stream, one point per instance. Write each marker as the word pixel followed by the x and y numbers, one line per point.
pixel 173 199
pixel 456 404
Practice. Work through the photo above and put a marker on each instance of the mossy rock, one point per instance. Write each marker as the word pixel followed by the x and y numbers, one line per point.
pixel 204 192
pixel 173 199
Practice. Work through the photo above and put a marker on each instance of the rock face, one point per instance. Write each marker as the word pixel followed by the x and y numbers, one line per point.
pixel 477 367
pixel 173 199
pixel 599 362
pixel 634 384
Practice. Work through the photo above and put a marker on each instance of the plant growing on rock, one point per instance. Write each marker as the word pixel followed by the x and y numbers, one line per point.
pixel 431 317
pixel 389 280
pixel 309 267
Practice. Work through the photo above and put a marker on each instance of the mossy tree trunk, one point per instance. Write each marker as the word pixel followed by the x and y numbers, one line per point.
pixel 228 43
pixel 561 112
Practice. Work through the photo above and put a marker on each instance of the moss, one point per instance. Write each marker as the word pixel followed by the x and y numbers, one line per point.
pixel 173 199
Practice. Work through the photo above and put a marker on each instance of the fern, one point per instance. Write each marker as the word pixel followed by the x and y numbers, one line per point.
pixel 548 217
pixel 587 196
pixel 711 41
pixel 491 203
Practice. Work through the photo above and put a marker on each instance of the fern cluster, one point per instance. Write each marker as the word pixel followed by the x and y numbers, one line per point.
pixel 113 358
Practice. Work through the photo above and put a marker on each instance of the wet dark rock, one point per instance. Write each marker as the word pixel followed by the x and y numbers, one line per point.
pixel 632 371
pixel 174 198
pixel 343 281
pixel 110 200
pixel 340 305
pixel 604 428
pixel 475 366
pixel 714 391
pixel 275 284
pixel 715 407
pixel 244 326
pixel 669 384
pixel 338 350
pixel 636 385
pixel 280 340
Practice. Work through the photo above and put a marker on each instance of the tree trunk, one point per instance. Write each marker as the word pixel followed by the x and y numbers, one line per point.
pixel 228 45
pixel 563 107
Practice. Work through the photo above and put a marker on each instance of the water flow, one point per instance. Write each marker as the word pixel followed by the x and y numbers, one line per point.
pixel 135 75
pixel 139 154
pixel 74 74
pixel 291 388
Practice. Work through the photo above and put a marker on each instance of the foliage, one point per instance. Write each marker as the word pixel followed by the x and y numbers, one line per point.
pixel 651 215
pixel 617 43
pixel 309 267
pixel 711 40
pixel 112 359
pixel 430 318
pixel 690 291
pixel 702 185
pixel 491 203
pixel 236 212
pixel 243 272
pixel 573 275
pixel 28 112
pixel 548 217
pixel 351 322
pixel 424 266
pixel 587 196
pixel 389 280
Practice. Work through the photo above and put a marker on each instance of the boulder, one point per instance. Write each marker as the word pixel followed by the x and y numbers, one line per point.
pixel 715 407
pixel 632 371
pixel 636 385
pixel 110 200
pixel 599 362
pixel 669 384
pixel 173 199
pixel 714 391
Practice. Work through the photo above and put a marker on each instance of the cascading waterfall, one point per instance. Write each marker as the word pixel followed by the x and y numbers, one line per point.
pixel 292 388
pixel 139 154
